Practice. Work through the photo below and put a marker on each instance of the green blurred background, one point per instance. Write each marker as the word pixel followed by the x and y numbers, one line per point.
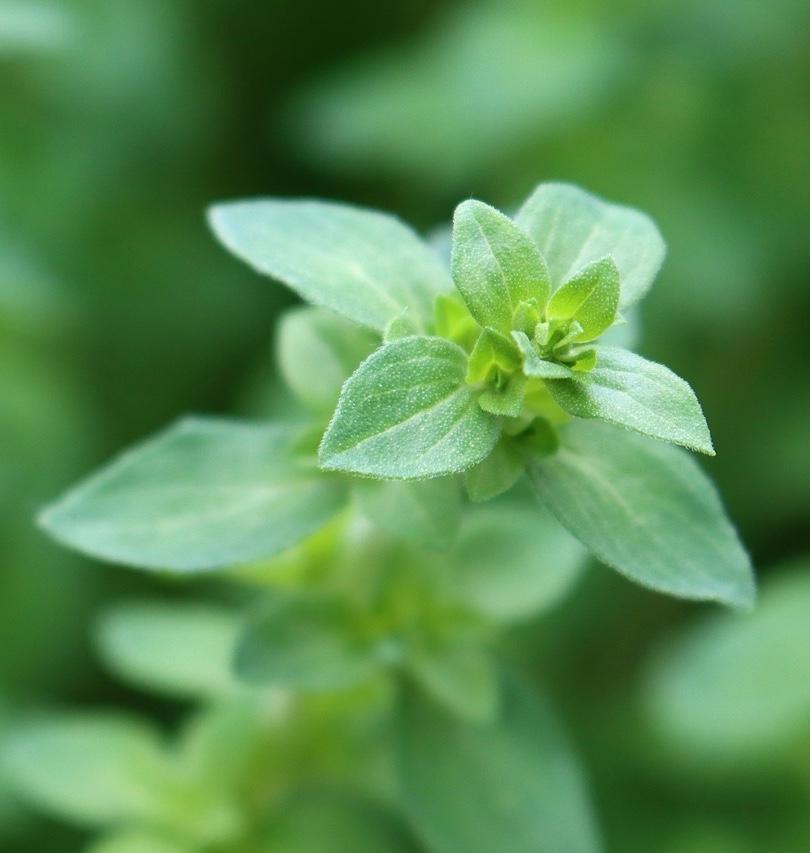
pixel 121 120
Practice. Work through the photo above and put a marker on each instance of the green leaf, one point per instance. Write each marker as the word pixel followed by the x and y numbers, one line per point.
pixel 91 769
pixel 536 367
pixel 407 413
pixel 736 687
pixel 180 650
pixel 590 296
pixel 364 265
pixel 139 841
pixel 492 350
pixel 506 400
pixel 461 678
pixel 36 27
pixel 218 745
pixel 513 562
pixel 426 512
pixel 328 822
pixel 495 474
pixel 317 351
pixel 528 792
pixel 304 641
pixel 573 228
pixel 495 265
pixel 648 510
pixel 203 494
pixel 628 390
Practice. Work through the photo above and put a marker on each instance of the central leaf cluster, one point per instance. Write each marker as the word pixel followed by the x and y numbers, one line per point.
pixel 525 330
pixel 517 355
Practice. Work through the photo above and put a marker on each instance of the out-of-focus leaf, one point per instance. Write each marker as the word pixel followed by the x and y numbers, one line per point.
pixel 512 562
pixel 318 351
pixel 181 650
pixel 92 769
pixel 34 26
pixel 738 686
pixel 486 78
pixel 426 512
pixel 511 783
pixel 304 641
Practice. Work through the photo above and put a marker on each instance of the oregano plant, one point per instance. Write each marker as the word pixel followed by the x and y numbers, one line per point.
pixel 453 440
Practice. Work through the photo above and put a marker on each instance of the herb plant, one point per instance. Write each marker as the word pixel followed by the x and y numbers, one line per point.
pixel 450 445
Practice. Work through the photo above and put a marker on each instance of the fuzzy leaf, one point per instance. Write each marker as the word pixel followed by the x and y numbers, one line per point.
pixel 628 390
pixel 573 228
pixel 304 641
pixel 590 296
pixel 203 494
pixel 536 367
pixel 528 789
pixel 407 413
pixel 495 265
pixel 364 265
pixel 646 509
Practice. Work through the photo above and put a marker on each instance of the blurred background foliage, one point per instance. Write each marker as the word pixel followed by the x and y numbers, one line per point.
pixel 120 120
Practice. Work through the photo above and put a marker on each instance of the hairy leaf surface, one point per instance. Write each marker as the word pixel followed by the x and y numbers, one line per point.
pixel 495 265
pixel 628 390
pixel 365 265
pixel 408 413
pixel 203 494
pixel 573 228
pixel 648 510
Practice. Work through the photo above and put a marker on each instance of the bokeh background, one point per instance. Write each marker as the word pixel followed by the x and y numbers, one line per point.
pixel 121 120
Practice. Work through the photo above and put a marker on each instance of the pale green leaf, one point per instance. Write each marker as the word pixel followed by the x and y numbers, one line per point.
pixel 495 474
pixel 139 841
pixel 628 390
pixel 536 367
pixel 218 745
pixel 90 769
pixel 734 687
pixel 492 350
pixel 407 413
pixel 590 296
pixel 512 784
pixel 35 26
pixel 648 510
pixel 364 265
pixel 304 641
pixel 573 228
pixel 461 678
pixel 180 650
pixel 513 561
pixel 318 351
pixel 331 822
pixel 426 512
pixel 495 265
pixel 203 494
